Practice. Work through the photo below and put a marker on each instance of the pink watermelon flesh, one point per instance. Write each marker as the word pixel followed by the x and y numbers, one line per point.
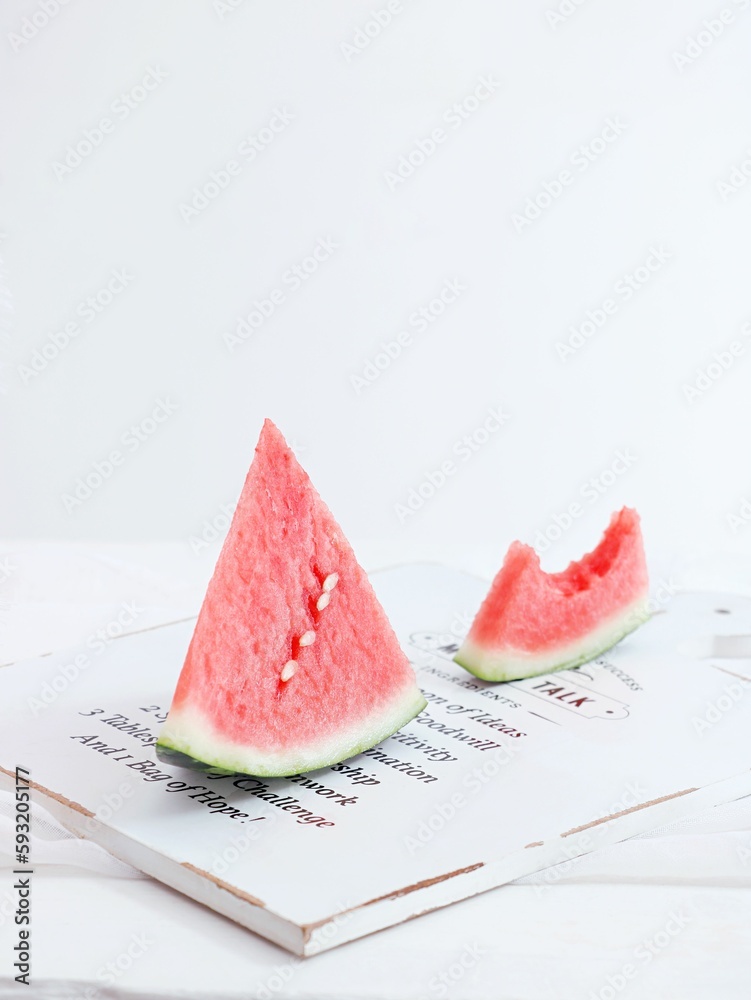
pixel 286 573
pixel 533 622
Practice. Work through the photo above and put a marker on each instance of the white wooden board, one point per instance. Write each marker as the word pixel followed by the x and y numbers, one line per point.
pixel 491 782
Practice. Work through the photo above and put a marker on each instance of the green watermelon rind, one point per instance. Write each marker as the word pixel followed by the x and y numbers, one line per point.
pixel 171 749
pixel 513 665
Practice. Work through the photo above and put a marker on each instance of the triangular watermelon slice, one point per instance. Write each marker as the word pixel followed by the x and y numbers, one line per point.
pixel 534 622
pixel 293 664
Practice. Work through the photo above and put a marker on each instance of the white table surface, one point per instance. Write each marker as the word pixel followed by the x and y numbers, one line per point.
pixel 670 917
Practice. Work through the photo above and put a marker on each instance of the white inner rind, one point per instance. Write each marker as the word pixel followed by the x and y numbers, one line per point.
pixel 511 664
pixel 189 731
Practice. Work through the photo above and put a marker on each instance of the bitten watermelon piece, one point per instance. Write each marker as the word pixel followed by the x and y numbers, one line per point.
pixel 293 664
pixel 534 622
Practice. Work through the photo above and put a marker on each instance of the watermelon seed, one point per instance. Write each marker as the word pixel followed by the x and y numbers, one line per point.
pixel 323 601
pixel 289 670
pixel 330 582
pixel 307 638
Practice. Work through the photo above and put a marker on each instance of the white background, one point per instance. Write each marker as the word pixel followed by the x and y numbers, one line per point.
pixel 356 113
